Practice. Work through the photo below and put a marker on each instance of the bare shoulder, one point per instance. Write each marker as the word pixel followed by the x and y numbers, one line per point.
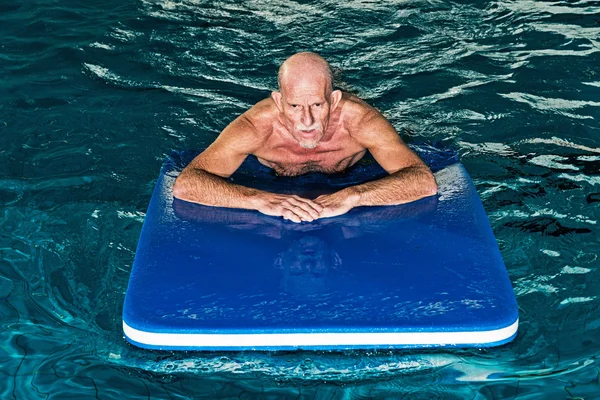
pixel 247 132
pixel 261 117
pixel 373 131
pixel 243 136
pixel 361 119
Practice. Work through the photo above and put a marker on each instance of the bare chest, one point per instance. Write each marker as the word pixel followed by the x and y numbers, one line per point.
pixel 336 151
pixel 329 158
pixel 330 164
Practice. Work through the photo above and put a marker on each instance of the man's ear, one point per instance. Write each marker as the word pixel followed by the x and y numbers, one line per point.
pixel 336 96
pixel 277 98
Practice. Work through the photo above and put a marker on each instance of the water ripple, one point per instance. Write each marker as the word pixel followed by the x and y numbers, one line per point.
pixel 95 95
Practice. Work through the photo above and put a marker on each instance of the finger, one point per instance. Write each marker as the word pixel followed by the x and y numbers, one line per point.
pixel 328 213
pixel 294 219
pixel 291 216
pixel 307 205
pixel 317 207
pixel 301 212
pixel 302 209
pixel 325 201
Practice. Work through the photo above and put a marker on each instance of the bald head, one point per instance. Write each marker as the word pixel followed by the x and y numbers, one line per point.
pixel 306 66
pixel 306 97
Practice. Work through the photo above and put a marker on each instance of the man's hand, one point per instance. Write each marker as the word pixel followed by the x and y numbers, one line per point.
pixel 290 207
pixel 337 203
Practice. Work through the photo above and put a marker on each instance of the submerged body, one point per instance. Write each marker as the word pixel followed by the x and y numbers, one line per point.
pixel 306 127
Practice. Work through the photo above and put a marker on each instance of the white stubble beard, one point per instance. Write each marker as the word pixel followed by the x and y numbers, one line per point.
pixel 310 144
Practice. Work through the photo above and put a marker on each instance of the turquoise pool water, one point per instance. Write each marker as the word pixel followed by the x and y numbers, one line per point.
pixel 94 95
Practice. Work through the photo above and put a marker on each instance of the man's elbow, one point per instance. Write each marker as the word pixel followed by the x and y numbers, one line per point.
pixel 179 188
pixel 430 187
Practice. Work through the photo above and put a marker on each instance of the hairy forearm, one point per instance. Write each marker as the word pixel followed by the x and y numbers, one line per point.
pixel 408 184
pixel 198 186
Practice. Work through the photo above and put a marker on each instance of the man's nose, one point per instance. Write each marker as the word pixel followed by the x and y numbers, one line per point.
pixel 307 118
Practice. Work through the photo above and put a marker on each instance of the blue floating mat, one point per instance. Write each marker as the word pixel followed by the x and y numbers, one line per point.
pixel 424 274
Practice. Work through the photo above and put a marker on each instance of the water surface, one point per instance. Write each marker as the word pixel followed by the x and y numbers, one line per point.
pixel 95 94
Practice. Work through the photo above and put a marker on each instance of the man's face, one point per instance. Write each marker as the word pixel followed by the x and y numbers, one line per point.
pixel 306 265
pixel 306 107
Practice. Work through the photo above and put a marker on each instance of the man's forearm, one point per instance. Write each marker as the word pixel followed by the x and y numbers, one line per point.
pixel 408 184
pixel 198 186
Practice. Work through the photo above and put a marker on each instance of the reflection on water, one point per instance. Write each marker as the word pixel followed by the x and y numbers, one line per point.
pixel 307 256
pixel 94 96
pixel 306 265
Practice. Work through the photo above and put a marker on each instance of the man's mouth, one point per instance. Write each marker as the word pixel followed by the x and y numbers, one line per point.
pixel 308 130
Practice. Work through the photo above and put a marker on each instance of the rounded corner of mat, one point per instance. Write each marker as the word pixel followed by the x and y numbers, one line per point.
pixel 503 335
pixel 139 337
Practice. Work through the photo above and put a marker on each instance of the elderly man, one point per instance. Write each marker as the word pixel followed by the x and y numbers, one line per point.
pixel 306 127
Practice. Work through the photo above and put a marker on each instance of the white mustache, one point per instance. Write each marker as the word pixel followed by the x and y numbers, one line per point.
pixel 302 127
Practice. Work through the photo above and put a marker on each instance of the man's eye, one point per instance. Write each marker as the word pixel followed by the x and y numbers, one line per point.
pixel 294 105
pixel 317 104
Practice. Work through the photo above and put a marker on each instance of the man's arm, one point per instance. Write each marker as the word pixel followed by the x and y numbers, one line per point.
pixel 409 180
pixel 204 181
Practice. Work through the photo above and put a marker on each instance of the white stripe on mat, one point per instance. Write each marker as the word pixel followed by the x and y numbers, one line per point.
pixel 250 340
